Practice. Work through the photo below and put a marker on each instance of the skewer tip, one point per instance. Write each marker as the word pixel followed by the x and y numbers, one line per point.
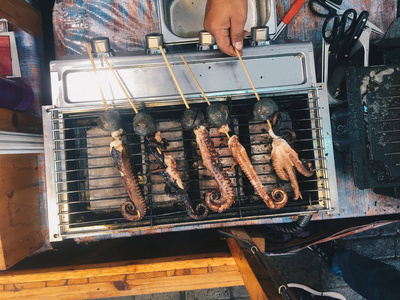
pixel 226 132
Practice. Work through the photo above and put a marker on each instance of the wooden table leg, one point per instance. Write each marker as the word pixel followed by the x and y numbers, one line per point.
pixel 260 279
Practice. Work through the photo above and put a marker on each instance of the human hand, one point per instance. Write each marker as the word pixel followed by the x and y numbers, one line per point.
pixel 225 20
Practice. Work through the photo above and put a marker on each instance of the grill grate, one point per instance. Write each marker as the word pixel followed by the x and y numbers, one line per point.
pixel 89 190
pixel 374 132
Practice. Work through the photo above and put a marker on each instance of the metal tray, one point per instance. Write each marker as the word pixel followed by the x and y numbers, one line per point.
pixel 181 20
pixel 283 67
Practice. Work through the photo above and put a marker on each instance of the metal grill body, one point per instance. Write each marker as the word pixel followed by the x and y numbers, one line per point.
pixel 84 189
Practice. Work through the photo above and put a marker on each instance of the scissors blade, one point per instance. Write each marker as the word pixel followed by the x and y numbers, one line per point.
pixel 340 9
pixel 374 28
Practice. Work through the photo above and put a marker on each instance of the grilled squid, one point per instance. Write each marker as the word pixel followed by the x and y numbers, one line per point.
pixel 217 200
pixel 167 169
pixel 285 160
pixel 279 197
pixel 135 208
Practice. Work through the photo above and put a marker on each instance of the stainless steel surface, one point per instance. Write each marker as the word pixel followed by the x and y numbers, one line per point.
pixel 259 36
pixel 153 41
pixel 273 68
pixel 363 42
pixel 101 46
pixel 17 143
pixel 279 30
pixel 206 39
pixel 84 191
pixel 181 20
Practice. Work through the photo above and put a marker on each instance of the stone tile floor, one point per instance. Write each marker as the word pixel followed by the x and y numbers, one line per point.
pixel 307 268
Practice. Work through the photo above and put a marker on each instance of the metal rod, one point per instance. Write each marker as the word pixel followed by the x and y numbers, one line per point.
pixel 95 74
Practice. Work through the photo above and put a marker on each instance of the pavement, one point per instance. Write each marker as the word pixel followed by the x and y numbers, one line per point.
pixel 305 267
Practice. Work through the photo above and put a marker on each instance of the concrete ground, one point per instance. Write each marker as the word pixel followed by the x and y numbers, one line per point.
pixel 307 268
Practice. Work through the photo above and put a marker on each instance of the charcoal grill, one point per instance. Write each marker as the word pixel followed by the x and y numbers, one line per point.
pixel 84 191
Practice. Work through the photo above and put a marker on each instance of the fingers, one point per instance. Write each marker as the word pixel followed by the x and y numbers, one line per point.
pixel 225 20
pixel 236 31
pixel 223 41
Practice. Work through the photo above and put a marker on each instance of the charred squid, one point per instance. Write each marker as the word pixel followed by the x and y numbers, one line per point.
pixel 218 115
pixel 135 208
pixel 279 197
pixel 285 160
pixel 167 169
pixel 221 199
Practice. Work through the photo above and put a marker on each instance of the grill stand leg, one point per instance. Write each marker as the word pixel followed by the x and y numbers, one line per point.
pixel 260 279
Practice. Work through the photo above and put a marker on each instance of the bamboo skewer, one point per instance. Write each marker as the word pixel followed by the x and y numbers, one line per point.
pixel 195 80
pixel 247 74
pixel 173 76
pixel 226 132
pixel 120 83
pixel 202 92
pixel 95 74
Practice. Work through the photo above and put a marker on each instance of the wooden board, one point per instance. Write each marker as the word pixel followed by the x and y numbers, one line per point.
pixel 20 226
pixel 13 121
pixel 122 278
pixel 260 279
pixel 22 14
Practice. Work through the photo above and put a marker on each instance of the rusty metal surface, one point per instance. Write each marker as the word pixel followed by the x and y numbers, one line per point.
pixel 125 22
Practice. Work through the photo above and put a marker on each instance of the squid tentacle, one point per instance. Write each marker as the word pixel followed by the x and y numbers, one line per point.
pixel 135 208
pixel 222 199
pixel 285 161
pixel 172 179
pixel 240 155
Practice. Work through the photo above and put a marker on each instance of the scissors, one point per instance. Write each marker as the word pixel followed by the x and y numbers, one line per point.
pixel 327 8
pixel 343 32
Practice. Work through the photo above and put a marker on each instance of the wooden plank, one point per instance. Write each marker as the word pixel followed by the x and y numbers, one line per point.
pixel 58 282
pixel 145 275
pixel 77 281
pixel 29 285
pixel 107 278
pixel 118 268
pixel 13 121
pixel 20 224
pixel 261 281
pixel 257 237
pixel 129 287
pixel 23 15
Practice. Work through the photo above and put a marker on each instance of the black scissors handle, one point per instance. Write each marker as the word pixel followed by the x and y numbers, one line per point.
pixel 353 36
pixel 342 26
pixel 321 9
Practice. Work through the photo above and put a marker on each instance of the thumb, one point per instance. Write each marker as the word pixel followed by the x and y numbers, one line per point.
pixel 237 34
